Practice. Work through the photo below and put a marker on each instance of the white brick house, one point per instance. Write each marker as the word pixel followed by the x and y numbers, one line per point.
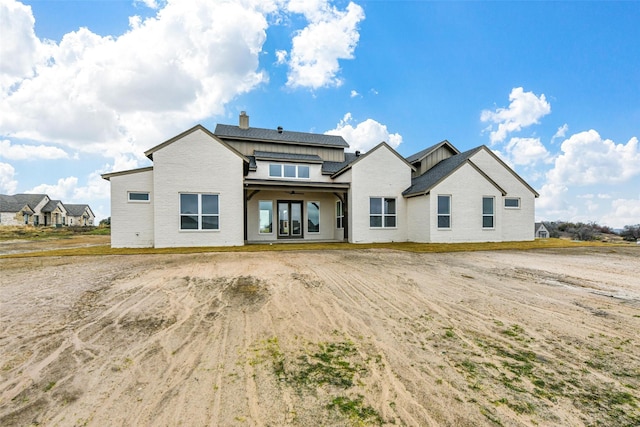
pixel 240 185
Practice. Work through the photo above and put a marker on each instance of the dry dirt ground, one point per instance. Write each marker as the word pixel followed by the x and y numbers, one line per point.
pixel 335 338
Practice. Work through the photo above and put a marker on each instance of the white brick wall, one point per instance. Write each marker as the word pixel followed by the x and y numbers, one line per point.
pixel 198 163
pixel 380 174
pixel 131 222
pixel 517 224
pixel 418 218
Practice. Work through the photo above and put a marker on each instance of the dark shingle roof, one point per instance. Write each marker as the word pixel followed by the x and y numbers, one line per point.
pixel 51 206
pixel 260 155
pixel 287 137
pixel 75 210
pixel 31 199
pixel 430 178
pixel 419 155
pixel 10 204
pixel 333 167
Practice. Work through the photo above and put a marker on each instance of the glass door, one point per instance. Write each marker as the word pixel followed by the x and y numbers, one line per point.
pixel 289 219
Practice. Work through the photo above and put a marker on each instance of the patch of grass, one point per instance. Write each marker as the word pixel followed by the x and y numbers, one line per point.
pixel 355 410
pixel 49 386
pixel 328 365
pixel 400 246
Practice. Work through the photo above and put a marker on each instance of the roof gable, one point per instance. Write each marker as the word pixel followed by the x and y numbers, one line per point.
pixel 149 153
pixel 78 210
pixel 518 177
pixel 11 204
pixel 349 165
pixel 425 182
pixel 282 136
pixel 110 175
pixel 424 153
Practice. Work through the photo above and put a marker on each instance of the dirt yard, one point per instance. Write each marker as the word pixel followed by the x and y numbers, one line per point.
pixel 334 338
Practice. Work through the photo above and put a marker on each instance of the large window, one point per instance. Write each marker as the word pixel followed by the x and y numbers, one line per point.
pixel 313 217
pixel 382 212
pixel 288 171
pixel 444 211
pixel 512 203
pixel 266 216
pixel 487 212
pixel 199 212
pixel 339 214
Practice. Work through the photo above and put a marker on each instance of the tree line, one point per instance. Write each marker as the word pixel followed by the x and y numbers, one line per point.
pixel 589 231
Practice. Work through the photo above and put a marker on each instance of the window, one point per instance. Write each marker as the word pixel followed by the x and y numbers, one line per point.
pixel 275 170
pixel 487 212
pixel 288 171
pixel 339 214
pixel 36 220
pixel 313 217
pixel 444 211
pixel 199 212
pixel 512 202
pixel 266 216
pixel 138 197
pixel 382 212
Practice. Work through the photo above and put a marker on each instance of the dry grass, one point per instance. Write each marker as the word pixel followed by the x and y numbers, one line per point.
pixel 400 246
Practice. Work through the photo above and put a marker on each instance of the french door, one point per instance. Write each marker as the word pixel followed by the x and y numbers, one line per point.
pixel 289 219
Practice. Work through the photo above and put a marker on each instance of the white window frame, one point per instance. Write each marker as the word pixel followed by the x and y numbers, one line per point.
pixel 491 215
pixel 282 168
pixel 383 215
pixel 260 216
pixel 313 202
pixel 199 214
pixel 447 215
pixel 130 200
pixel 517 199
pixel 339 215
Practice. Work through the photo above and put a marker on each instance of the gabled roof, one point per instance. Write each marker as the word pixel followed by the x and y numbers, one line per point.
pixel 110 175
pixel 285 136
pixel 308 158
pixel 362 156
pixel 77 210
pixel 31 199
pixel 516 176
pixel 149 153
pixel 11 204
pixel 424 153
pixel 425 182
pixel 52 205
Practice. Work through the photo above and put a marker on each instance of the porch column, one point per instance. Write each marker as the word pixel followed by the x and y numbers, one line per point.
pixel 345 214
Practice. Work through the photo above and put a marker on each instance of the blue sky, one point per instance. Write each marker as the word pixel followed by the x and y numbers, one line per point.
pixel 552 87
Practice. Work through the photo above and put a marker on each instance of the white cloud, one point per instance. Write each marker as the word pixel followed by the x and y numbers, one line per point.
pixel 365 135
pixel 526 151
pixel 62 190
pixel 120 94
pixel 331 35
pixel 151 4
pixel 8 185
pixel 561 132
pixel 588 159
pixel 623 212
pixel 354 93
pixel 525 109
pixel 30 152
pixel 281 56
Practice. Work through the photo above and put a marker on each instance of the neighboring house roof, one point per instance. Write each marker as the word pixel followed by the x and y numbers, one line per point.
pixel 425 182
pixel 77 210
pixel 11 204
pixel 110 175
pixel 51 206
pixel 31 199
pixel 265 155
pixel 283 136
pixel 362 156
pixel 538 226
pixel 333 167
pixel 424 153
pixel 149 153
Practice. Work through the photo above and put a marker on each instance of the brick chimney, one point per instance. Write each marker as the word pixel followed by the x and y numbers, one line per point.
pixel 244 120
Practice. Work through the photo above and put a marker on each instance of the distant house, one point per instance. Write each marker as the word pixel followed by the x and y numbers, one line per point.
pixel 240 185
pixel 79 215
pixel 40 210
pixel 540 231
